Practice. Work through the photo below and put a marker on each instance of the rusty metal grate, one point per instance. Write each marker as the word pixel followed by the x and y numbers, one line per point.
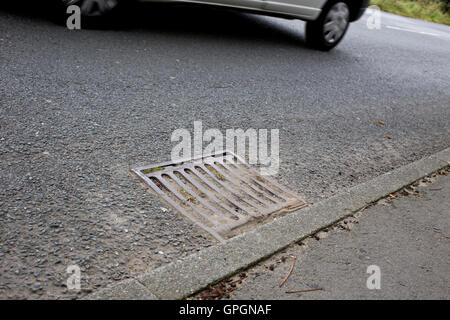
pixel 220 193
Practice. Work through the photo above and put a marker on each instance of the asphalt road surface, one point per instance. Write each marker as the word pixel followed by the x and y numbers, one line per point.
pixel 80 108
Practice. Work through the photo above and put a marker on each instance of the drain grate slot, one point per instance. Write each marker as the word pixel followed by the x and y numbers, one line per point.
pixel 220 193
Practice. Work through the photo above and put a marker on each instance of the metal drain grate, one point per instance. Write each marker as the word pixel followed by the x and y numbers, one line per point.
pixel 220 193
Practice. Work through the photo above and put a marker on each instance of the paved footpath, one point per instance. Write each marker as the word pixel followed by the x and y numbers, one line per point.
pixel 407 237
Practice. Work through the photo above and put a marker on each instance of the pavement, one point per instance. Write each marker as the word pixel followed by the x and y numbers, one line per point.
pixel 407 237
pixel 80 108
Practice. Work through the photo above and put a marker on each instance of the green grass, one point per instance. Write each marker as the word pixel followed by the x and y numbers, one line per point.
pixel 429 10
pixel 145 171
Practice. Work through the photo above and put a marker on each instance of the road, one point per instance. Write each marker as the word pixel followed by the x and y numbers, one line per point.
pixel 80 108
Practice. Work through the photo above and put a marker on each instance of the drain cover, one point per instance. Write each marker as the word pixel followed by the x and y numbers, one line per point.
pixel 220 193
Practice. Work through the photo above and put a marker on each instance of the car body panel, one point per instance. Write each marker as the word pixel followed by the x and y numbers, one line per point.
pixel 305 9
pixel 301 9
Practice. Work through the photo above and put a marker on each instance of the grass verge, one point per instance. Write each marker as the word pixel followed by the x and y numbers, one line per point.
pixel 429 10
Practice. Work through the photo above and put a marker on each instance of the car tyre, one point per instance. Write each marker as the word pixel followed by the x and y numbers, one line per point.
pixel 328 30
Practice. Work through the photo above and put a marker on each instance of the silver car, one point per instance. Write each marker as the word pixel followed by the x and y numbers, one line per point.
pixel 326 20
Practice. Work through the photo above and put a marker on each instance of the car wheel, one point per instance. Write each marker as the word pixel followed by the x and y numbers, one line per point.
pixel 329 29
pixel 93 8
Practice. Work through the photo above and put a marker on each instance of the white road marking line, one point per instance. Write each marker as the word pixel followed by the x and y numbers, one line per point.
pixel 411 30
